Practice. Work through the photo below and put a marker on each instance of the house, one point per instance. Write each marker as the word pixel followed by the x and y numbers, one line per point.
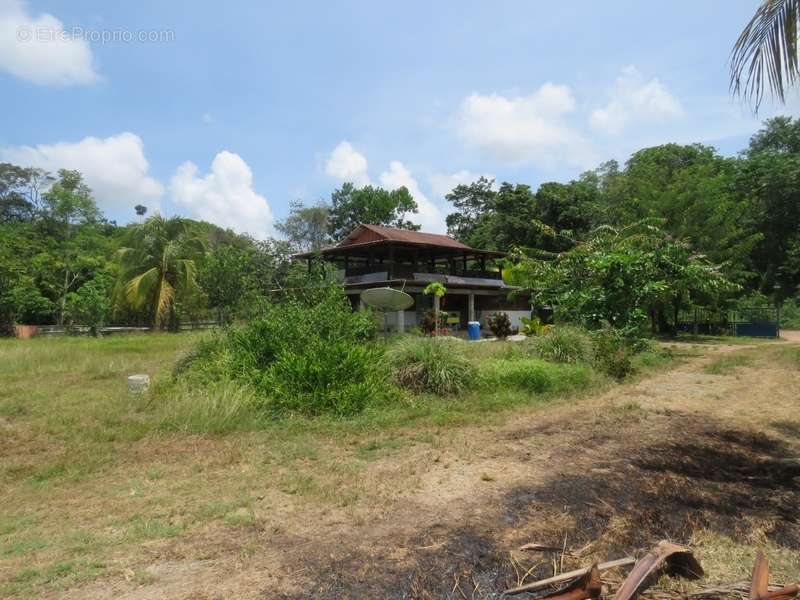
pixel 375 256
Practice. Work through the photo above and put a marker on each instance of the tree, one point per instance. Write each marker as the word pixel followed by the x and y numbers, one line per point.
pixel 693 189
pixel 765 54
pixel 70 211
pixel 20 189
pixel 90 304
pixel 622 276
pixel 157 263
pixel 307 227
pixel 768 177
pixel 472 203
pixel 351 206
pixel 141 210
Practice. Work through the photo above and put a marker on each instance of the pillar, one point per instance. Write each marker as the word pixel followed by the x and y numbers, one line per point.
pixel 471 307
pixel 401 321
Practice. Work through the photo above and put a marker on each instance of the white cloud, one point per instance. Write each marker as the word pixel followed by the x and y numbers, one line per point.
pixel 38 49
pixel 224 196
pixel 114 167
pixel 635 100
pixel 525 129
pixel 429 215
pixel 443 183
pixel 347 164
pixel 207 118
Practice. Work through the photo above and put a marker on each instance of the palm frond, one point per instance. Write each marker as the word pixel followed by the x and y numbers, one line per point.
pixel 765 55
pixel 166 294
pixel 141 287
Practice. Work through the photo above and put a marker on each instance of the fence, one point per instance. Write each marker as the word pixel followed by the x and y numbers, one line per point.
pixel 757 321
pixel 113 329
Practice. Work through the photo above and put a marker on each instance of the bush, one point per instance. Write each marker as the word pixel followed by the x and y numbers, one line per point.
pixel 435 365
pixel 428 324
pixel 564 344
pixel 611 353
pixel 310 353
pixel 500 324
pixel 534 326
pixel 532 375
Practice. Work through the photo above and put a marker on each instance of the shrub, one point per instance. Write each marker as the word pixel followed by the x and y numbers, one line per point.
pixel 435 365
pixel 428 324
pixel 611 353
pixel 564 344
pixel 500 325
pixel 326 376
pixel 309 353
pixel 534 326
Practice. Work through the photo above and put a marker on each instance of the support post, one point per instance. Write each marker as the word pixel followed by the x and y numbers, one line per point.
pixel 401 321
pixel 471 307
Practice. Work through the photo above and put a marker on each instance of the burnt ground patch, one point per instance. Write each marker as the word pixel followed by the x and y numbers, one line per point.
pixel 670 477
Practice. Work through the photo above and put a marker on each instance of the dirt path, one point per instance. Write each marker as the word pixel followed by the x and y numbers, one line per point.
pixel 684 454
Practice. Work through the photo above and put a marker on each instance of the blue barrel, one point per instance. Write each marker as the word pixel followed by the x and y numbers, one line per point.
pixel 474 330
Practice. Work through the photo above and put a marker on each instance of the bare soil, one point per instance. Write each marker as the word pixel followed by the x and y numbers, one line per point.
pixel 684 455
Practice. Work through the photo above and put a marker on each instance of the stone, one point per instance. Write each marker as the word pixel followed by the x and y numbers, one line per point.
pixel 138 383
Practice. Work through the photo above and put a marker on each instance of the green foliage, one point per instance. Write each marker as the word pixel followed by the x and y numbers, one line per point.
pixel 612 355
pixel 500 325
pixel 621 277
pixel 790 314
pixel 532 375
pixel 351 206
pixel 25 304
pixel 435 289
pixel 309 353
pixel 157 263
pixel 432 365
pixel 307 227
pixel 564 344
pixel 90 305
pixel 534 326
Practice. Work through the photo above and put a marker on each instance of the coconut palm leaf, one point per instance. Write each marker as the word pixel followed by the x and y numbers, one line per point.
pixel 765 55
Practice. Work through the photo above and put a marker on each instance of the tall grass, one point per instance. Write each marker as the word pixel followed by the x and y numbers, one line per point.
pixel 433 365
pixel 534 375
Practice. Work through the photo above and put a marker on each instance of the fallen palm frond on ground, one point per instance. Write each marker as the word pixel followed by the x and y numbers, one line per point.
pixel 665 558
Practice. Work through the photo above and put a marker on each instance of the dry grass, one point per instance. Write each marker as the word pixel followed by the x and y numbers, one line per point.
pixel 105 495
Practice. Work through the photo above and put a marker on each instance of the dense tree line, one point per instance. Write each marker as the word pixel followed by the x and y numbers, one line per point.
pixel 733 220
pixel 742 212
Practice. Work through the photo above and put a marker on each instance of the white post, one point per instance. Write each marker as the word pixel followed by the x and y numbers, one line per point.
pixel 436 314
pixel 401 321
pixel 471 307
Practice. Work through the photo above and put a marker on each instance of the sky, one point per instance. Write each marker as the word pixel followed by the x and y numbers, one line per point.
pixel 229 111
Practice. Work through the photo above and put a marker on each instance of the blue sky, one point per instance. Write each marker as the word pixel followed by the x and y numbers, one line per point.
pixel 241 107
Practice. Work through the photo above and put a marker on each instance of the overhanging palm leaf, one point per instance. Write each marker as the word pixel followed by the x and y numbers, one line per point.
pixel 765 55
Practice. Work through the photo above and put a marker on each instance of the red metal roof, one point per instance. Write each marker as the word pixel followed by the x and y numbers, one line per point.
pixel 366 233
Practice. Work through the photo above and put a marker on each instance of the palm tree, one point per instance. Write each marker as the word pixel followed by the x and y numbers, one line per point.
pixel 765 55
pixel 157 262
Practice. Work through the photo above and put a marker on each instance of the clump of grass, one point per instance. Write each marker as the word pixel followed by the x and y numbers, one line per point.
pixel 218 407
pixel 563 344
pixel 724 365
pixel 533 375
pixel 433 365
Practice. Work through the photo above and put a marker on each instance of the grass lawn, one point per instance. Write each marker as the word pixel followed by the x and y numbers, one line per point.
pixel 90 472
pixel 101 485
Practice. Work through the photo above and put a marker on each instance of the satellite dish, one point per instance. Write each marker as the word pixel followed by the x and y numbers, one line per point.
pixel 386 299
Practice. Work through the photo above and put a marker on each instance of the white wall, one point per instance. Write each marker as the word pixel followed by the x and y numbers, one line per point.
pixel 514 316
